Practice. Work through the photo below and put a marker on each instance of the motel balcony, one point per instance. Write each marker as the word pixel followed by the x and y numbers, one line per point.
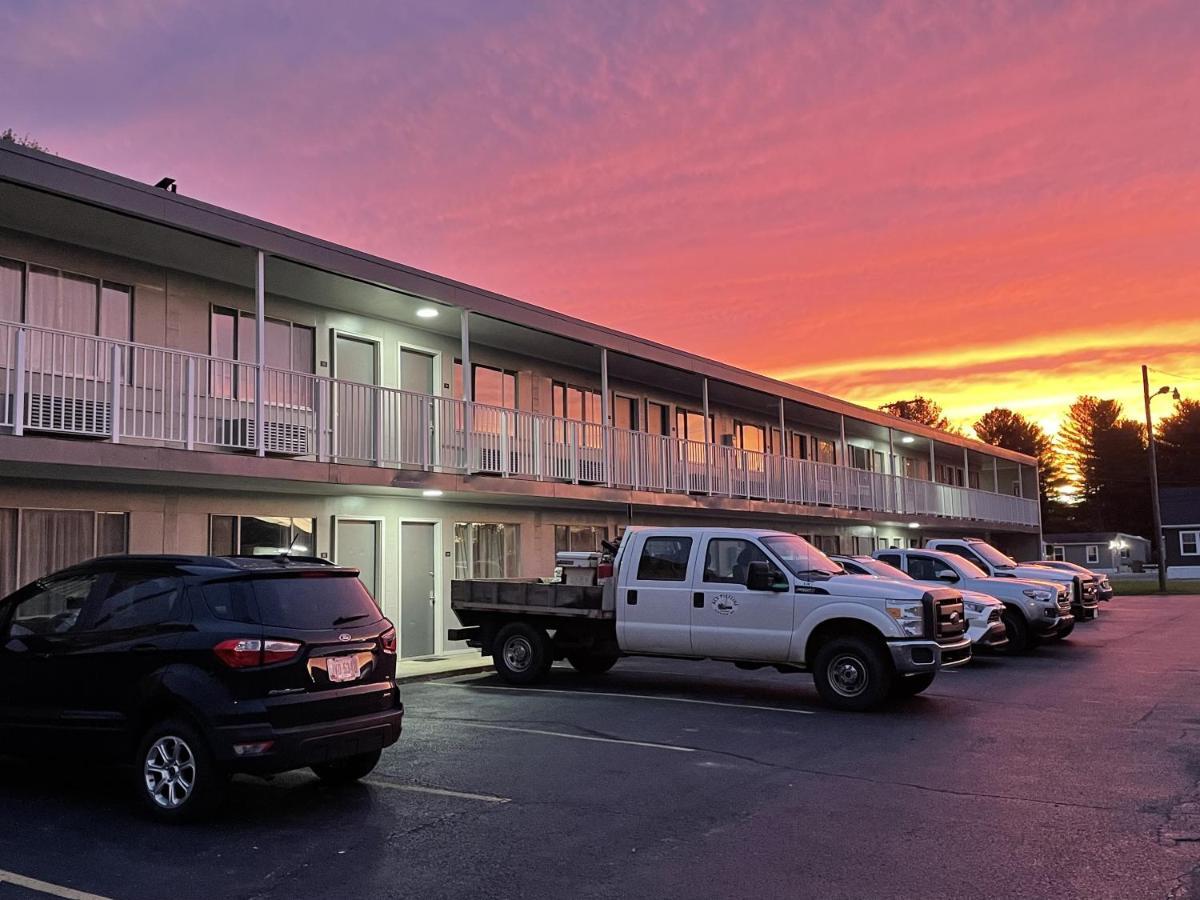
pixel 58 383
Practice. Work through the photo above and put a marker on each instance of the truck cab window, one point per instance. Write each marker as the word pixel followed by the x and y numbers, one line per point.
pixel 665 559
pixel 727 560
pixel 892 559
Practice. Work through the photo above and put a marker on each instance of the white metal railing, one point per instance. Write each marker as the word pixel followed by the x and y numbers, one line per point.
pixel 58 382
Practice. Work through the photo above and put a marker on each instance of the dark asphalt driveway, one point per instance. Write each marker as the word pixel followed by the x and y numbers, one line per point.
pixel 1071 772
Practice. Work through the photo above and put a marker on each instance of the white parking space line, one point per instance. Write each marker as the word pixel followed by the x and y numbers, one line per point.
pixel 437 792
pixel 578 737
pixel 45 887
pixel 523 690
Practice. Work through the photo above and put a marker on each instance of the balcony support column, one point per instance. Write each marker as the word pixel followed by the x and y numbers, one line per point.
pixel 932 462
pixel 468 388
pixel 708 437
pixel 605 417
pixel 782 449
pixel 260 352
pixel 995 477
pixel 844 459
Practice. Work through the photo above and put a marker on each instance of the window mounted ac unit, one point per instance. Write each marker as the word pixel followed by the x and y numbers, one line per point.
pixel 69 415
pixel 284 438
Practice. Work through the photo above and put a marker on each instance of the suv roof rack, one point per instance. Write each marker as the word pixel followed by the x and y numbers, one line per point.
pixel 246 561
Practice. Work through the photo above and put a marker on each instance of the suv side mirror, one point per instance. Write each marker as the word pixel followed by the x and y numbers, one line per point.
pixel 760 577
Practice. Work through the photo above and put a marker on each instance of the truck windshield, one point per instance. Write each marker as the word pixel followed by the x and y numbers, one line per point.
pixel 883 570
pixel 993 556
pixel 801 557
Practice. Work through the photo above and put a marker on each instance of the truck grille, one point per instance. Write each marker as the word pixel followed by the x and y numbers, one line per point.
pixel 950 617
pixel 1064 602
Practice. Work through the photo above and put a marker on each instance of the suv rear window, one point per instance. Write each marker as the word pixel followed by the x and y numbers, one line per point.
pixel 314 602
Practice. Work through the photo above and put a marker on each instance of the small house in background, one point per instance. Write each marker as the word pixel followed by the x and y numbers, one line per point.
pixel 1181 531
pixel 1109 551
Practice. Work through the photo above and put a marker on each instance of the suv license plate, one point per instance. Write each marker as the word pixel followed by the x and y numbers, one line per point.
pixel 342 668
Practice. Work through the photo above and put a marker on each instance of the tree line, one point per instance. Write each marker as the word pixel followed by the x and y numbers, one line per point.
pixel 1094 472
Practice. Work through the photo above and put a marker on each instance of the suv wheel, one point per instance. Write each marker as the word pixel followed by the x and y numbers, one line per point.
pixel 177 777
pixel 851 673
pixel 349 769
pixel 522 653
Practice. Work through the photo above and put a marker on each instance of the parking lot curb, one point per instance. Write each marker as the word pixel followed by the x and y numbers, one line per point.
pixel 466 669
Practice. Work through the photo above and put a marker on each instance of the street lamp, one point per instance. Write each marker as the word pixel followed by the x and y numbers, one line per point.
pixel 1159 541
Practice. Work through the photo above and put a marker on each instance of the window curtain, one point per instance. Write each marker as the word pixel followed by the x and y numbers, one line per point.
pixel 52 539
pixel 112 533
pixel 8 552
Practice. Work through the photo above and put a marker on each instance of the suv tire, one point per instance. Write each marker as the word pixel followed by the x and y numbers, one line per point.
pixel 852 673
pixel 348 769
pixel 176 775
pixel 522 653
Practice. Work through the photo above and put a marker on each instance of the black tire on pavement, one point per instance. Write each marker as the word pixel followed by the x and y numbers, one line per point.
pixel 1017 630
pixel 175 774
pixel 1064 632
pixel 522 653
pixel 592 663
pixel 911 685
pixel 348 769
pixel 853 673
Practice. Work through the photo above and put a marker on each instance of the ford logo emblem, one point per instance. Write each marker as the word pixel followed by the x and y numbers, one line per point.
pixel 343 637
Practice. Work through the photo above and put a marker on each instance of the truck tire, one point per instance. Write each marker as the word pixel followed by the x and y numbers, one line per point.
pixel 911 685
pixel 522 653
pixel 1064 632
pixel 1017 629
pixel 591 663
pixel 852 673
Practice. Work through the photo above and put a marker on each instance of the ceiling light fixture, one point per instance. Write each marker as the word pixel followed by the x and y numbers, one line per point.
pixel 914 524
pixel 907 439
pixel 427 312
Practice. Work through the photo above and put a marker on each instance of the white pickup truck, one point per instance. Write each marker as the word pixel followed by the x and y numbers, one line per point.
pixel 752 597
pixel 1084 589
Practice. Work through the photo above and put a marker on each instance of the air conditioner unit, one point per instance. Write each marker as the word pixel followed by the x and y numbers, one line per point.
pixel 284 438
pixel 70 415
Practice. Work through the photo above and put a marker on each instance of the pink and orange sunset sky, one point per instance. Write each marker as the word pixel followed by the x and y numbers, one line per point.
pixel 984 203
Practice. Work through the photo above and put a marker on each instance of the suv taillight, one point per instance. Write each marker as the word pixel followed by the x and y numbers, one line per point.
pixel 387 640
pixel 245 653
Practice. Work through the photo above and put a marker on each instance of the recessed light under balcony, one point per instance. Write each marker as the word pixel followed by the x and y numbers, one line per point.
pixel 907 439
pixel 427 312
pixel 431 492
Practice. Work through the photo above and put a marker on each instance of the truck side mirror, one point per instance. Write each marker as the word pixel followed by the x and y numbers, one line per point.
pixel 947 575
pixel 761 577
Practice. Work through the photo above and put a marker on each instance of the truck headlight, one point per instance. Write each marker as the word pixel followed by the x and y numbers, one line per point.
pixel 909 616
pixel 974 608
pixel 1037 594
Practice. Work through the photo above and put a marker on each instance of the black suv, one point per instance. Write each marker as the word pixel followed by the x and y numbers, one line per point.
pixel 193 668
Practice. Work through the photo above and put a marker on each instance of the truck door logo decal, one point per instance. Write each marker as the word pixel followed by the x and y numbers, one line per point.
pixel 725 604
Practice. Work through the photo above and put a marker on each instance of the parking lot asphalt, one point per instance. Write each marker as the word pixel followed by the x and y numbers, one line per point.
pixel 1073 771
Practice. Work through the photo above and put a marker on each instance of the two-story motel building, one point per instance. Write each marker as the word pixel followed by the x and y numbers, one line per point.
pixel 145 337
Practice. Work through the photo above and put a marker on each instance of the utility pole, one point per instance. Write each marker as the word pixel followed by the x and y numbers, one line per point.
pixel 1159 542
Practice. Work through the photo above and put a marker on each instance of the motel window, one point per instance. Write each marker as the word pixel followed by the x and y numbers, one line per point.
pixel 486 550
pixel 290 348
pixel 261 535
pixel 76 303
pixel 689 425
pixel 578 537
pixel 490 386
pixel 657 418
pixel 1093 554
pixel 575 403
pixel 749 437
pixel 826 451
pixel 1058 553
pixel 1189 543
pixel 36 542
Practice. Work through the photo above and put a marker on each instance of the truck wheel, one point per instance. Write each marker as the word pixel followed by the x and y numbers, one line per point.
pixel 586 663
pixel 176 776
pixel 521 653
pixel 912 685
pixel 1018 631
pixel 851 673
pixel 1064 632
